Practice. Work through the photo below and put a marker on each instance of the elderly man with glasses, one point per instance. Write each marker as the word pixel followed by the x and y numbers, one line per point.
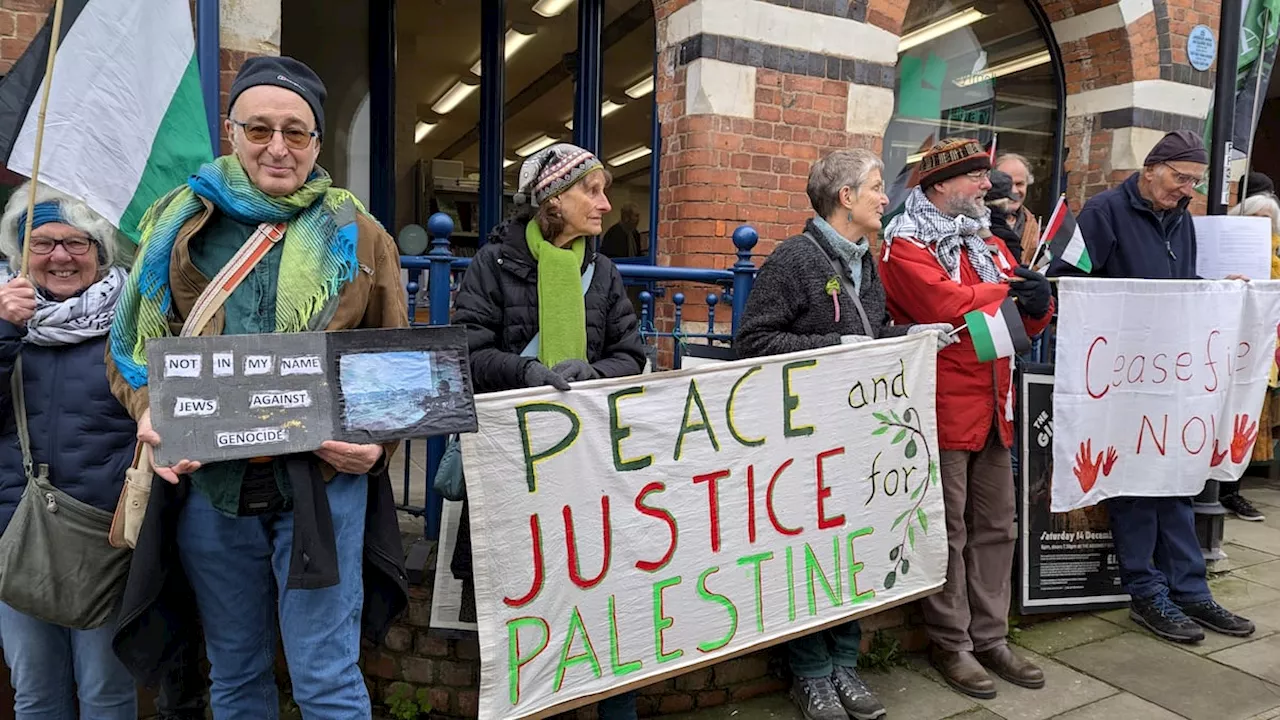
pixel 937 267
pixel 300 547
pixel 1142 229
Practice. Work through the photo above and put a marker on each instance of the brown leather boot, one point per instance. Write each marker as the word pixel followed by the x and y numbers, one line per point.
pixel 1004 662
pixel 962 671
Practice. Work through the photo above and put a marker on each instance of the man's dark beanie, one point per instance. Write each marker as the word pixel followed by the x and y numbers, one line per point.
pixel 1178 145
pixel 1001 187
pixel 1258 184
pixel 282 72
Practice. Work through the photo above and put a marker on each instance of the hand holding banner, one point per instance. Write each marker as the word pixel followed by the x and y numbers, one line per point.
pixel 639 527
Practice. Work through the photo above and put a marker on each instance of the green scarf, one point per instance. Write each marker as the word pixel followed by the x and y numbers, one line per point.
pixel 562 315
pixel 317 260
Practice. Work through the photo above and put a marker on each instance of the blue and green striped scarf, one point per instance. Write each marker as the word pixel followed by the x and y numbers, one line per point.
pixel 318 257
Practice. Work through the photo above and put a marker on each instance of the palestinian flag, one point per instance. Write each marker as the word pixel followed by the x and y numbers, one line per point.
pixel 125 122
pixel 1064 239
pixel 997 331
pixel 991 152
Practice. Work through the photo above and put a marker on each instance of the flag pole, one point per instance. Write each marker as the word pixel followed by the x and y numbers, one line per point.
pixel 55 32
pixel 1256 110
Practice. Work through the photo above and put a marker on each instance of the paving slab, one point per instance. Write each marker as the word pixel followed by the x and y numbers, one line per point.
pixel 1051 637
pixel 1124 705
pixel 1259 536
pixel 1236 593
pixel 1263 495
pixel 1239 556
pixel 1260 658
pixel 978 713
pixel 908 694
pixel 1267 573
pixel 1064 689
pixel 1187 684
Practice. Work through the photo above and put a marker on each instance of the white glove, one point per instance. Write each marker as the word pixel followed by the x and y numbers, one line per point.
pixel 943 331
pixel 853 339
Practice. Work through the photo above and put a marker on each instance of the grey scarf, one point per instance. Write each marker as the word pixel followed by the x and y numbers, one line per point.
pixel 76 319
pixel 850 253
pixel 948 235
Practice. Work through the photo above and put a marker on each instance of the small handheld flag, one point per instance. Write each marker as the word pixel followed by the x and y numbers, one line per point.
pixel 991 153
pixel 997 331
pixel 1063 240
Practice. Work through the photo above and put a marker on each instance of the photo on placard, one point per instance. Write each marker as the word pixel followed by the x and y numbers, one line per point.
pixel 402 384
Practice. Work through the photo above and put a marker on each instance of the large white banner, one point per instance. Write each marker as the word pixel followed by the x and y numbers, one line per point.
pixel 1158 385
pixel 636 528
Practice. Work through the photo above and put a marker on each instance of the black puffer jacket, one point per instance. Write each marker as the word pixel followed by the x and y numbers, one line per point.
pixel 789 309
pixel 498 304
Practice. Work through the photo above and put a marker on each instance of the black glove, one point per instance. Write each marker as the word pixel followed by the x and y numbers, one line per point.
pixel 1032 292
pixel 575 370
pixel 538 374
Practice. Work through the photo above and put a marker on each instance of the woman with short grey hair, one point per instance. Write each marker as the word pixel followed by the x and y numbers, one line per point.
pixel 817 289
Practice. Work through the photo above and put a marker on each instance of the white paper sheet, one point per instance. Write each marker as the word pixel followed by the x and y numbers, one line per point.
pixel 1227 244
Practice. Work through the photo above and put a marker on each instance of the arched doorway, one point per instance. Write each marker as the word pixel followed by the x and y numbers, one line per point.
pixel 989 70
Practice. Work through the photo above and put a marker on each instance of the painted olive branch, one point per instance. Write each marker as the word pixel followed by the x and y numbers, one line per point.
pixel 908 430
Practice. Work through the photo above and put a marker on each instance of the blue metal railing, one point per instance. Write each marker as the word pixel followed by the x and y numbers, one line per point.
pixel 443 270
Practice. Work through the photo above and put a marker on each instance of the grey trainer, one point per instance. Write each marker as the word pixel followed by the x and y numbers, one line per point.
pixel 855 696
pixel 817 699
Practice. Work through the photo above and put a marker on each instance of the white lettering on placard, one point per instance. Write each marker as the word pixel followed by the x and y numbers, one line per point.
pixel 280 399
pixel 194 407
pixel 304 365
pixel 224 364
pixel 182 366
pixel 257 364
pixel 257 436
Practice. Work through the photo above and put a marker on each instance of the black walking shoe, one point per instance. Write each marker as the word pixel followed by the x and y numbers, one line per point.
pixel 855 696
pixel 1241 508
pixel 1219 619
pixel 817 699
pixel 1159 615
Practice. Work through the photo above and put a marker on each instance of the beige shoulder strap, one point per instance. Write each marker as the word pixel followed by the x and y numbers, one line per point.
pixel 230 277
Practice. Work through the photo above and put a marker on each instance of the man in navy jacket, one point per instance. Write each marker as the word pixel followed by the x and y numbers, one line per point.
pixel 1142 229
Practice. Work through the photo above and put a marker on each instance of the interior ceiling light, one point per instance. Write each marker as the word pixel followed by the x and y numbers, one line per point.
pixel 535 145
pixel 1009 67
pixel 454 97
pixel 516 39
pixel 939 28
pixel 642 88
pixel 607 108
pixel 507 163
pixel 551 8
pixel 421 130
pixel 629 156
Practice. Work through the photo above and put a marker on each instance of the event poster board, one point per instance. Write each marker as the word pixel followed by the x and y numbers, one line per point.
pixel 228 397
pixel 452 612
pixel 637 528
pixel 1066 561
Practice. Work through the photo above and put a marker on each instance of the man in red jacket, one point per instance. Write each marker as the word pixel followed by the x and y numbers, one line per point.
pixel 936 268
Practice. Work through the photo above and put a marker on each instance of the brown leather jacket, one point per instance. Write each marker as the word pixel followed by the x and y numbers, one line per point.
pixel 1030 236
pixel 375 299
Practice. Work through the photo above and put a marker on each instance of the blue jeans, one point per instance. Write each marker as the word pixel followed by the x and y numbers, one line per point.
pixel 238 567
pixel 618 707
pixel 815 655
pixel 1157 547
pixel 50 665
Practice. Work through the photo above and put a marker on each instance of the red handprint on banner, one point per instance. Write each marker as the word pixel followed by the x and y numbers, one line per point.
pixel 1086 467
pixel 1243 438
pixel 1110 462
pixel 1218 455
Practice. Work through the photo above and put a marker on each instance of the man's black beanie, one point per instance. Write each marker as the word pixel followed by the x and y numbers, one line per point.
pixel 282 72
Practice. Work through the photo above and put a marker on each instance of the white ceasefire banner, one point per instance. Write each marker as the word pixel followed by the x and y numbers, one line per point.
pixel 636 528
pixel 1158 385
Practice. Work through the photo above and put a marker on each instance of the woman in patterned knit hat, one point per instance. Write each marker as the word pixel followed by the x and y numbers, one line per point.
pixel 528 281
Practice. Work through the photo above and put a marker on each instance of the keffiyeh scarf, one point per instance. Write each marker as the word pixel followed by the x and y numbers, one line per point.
pixel 76 319
pixel 318 257
pixel 947 235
